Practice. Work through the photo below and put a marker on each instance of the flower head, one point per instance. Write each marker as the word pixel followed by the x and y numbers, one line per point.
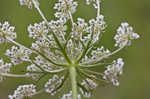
pixel 18 55
pixel 65 7
pixel 113 71
pixel 23 91
pixel 37 31
pixel 96 27
pixel 4 68
pixel 79 28
pixel 52 84
pixel 124 35
pixel 89 85
pixel 7 31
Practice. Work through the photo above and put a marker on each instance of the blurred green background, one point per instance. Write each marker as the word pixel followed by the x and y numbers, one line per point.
pixel 135 83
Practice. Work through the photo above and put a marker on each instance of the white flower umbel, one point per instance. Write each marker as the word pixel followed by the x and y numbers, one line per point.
pixel 89 85
pixel 65 48
pixel 65 8
pixel 113 71
pixel 37 31
pixel 23 91
pixel 124 35
pixel 52 84
pixel 4 69
pixel 99 52
pixel 7 31
pixel 18 55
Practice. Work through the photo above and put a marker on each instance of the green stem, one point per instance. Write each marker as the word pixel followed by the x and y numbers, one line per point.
pixel 73 82
pixel 51 61
pixel 90 76
pixel 62 49
pixel 86 48
pixel 95 65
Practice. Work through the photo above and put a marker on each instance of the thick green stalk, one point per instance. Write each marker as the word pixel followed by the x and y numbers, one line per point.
pixel 73 82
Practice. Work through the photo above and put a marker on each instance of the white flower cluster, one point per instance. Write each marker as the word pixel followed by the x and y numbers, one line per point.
pixel 33 68
pixel 4 68
pixel 65 8
pixel 18 55
pixel 95 54
pixel 52 84
pixel 99 52
pixel 27 3
pixel 89 85
pixel 38 31
pixel 67 44
pixel 23 91
pixel 40 44
pixel 124 35
pixel 6 31
pixel 88 2
pixel 97 26
pixel 43 63
pixel 59 28
pixel 69 96
pixel 79 28
pixel 113 71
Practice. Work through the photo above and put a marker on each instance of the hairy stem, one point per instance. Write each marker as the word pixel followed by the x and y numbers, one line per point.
pixel 73 82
